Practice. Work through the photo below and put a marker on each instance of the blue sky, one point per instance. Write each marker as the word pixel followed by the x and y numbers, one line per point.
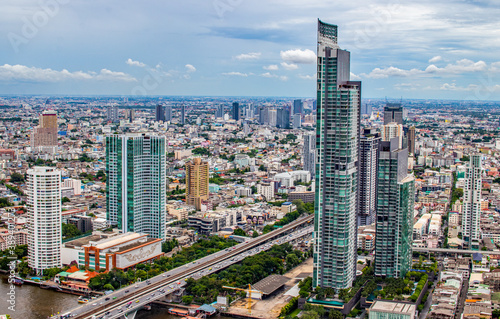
pixel 444 49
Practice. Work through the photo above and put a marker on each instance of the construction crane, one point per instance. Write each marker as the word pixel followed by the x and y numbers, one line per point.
pixel 249 292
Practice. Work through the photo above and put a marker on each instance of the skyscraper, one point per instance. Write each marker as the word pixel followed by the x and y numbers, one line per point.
pixel 391 130
pixel 112 113
pixel 393 112
pixel 472 203
pixel 283 118
pixel 338 130
pixel 236 111
pixel 395 201
pixel 183 114
pixel 263 115
pixel 220 111
pixel 136 183
pixel 272 117
pixel 411 140
pixel 130 115
pixel 368 160
pixel 297 121
pixel 45 134
pixel 196 182
pixel 297 107
pixel 160 113
pixel 309 154
pixel 44 218
pixel 168 113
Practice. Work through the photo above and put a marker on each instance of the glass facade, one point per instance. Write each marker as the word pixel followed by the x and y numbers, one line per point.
pixel 337 143
pixel 136 183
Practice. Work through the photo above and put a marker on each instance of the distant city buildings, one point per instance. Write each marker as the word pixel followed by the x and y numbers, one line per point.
pixel 45 134
pixel 235 111
pixel 112 115
pixel 159 113
pixel 197 182
pixel 393 112
pixel 309 154
pixel 136 183
pixel 183 114
pixel 130 115
pixel 471 233
pixel 168 113
pixel 338 126
pixel 297 107
pixel 44 218
pixel 220 111
pixel 283 118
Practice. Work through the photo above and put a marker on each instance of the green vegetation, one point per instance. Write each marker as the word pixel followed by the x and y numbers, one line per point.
pixel 239 232
pixel 305 286
pixel 249 271
pixel 4 202
pixel 201 151
pixel 20 252
pixel 289 307
pixel 85 158
pixel 169 245
pixel 65 200
pixel 456 194
pixel 216 179
pixel 70 231
pixel 423 279
pixel 17 178
pixel 200 249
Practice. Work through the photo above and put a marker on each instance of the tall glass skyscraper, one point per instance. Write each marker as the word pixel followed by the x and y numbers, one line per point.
pixel 472 203
pixel 337 131
pixel 395 200
pixel 136 183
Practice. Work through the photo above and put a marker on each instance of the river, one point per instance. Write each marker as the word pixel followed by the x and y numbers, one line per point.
pixel 33 302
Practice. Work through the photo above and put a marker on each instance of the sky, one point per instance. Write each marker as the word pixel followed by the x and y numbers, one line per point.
pixel 439 49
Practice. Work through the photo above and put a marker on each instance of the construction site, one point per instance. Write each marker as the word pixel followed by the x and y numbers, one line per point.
pixel 269 295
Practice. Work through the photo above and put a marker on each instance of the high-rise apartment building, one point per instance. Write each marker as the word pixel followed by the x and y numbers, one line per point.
pixel 160 113
pixel 272 117
pixel 338 130
pixel 297 121
pixel 472 203
pixel 113 113
pixel 368 160
pixel 411 140
pixel 297 107
pixel 196 182
pixel 45 134
pixel 395 201
pixel 283 118
pixel 130 115
pixel 183 114
pixel 391 130
pixel 235 111
pixel 393 112
pixel 309 154
pixel 263 115
pixel 220 111
pixel 168 113
pixel 44 218
pixel 136 183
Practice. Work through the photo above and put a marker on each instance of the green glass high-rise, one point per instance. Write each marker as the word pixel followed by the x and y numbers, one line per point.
pixel 136 183
pixel 395 201
pixel 337 143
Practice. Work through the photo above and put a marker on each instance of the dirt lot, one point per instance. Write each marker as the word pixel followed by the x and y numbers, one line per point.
pixel 271 307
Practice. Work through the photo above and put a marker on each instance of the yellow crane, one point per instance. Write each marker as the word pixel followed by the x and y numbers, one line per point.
pixel 249 292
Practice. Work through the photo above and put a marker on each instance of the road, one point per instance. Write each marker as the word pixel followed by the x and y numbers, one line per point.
pixel 135 296
pixel 456 251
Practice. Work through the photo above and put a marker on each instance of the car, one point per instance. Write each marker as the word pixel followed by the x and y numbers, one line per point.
pixel 94 304
pixel 147 298
pixel 126 291
pixel 152 295
pixel 137 301
pixel 136 286
pixel 121 310
pixel 106 313
pixel 114 298
pixel 163 275
pixel 107 299
pixel 148 282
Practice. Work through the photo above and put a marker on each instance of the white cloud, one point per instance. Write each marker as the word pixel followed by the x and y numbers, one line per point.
pixel 461 66
pixel 135 63
pixel 284 78
pixel 454 87
pixel 190 68
pixel 248 56
pixel 289 66
pixel 299 56
pixel 354 77
pixel 268 75
pixel 235 74
pixel 307 77
pixel 435 59
pixel 23 73
pixel 272 67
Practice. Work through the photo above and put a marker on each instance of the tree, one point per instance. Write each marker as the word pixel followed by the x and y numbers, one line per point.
pixel 17 178
pixel 70 230
pixel 335 314
pixel 65 200
pixel 255 234
pixel 262 168
pixel 240 232
pixel 187 299
pixel 108 287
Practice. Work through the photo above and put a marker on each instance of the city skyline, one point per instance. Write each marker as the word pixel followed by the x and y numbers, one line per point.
pixel 252 53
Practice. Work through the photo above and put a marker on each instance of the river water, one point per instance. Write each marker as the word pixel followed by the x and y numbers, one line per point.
pixel 33 302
